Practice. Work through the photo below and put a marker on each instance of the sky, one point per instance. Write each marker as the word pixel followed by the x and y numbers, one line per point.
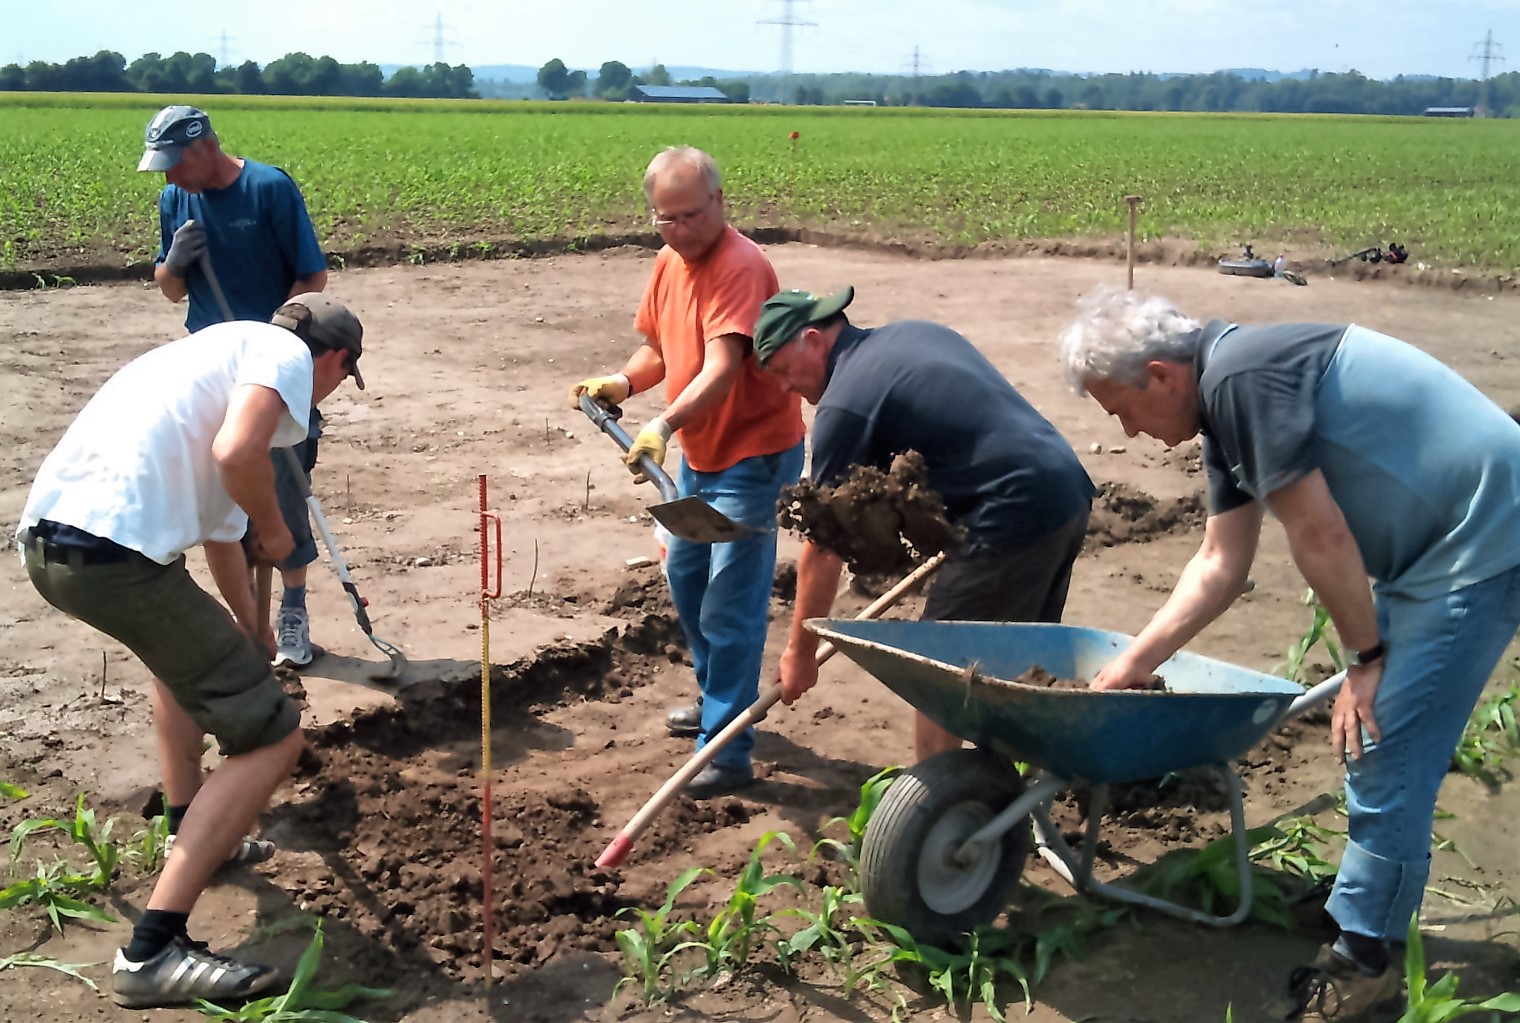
pixel 1379 38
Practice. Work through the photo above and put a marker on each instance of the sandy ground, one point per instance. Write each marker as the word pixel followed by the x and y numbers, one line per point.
pixel 468 366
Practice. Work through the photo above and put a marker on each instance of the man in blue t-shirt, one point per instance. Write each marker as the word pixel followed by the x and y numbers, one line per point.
pixel 1381 462
pixel 1004 473
pixel 250 221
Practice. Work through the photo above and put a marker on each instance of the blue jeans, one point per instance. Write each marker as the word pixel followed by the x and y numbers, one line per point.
pixel 1441 652
pixel 722 591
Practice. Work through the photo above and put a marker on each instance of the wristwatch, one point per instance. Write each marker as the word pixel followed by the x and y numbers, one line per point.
pixel 1362 658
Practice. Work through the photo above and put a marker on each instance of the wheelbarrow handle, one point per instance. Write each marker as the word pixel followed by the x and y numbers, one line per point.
pixel 607 421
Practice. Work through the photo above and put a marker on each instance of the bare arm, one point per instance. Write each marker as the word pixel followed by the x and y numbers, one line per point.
pixel 721 360
pixel 228 563
pixel 1209 584
pixel 645 368
pixel 817 582
pixel 309 283
pixel 1327 555
pixel 241 450
pixel 174 288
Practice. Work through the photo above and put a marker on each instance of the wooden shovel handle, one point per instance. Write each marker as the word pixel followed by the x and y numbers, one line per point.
pixel 618 849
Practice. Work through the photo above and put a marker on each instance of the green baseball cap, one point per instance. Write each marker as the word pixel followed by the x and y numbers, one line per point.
pixel 784 314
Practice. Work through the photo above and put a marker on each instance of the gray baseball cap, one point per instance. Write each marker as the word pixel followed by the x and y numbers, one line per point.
pixel 326 323
pixel 170 131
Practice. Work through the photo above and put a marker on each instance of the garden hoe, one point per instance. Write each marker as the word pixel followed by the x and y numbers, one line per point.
pixel 397 666
pixel 689 518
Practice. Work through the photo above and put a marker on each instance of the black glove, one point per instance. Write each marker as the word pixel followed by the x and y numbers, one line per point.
pixel 186 250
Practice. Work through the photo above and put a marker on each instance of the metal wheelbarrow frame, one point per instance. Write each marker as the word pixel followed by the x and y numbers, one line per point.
pixel 944 850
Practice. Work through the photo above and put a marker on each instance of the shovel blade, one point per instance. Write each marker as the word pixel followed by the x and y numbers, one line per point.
pixel 694 520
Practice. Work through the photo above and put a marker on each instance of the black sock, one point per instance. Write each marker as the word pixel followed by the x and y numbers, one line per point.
pixel 1369 954
pixel 156 929
pixel 177 817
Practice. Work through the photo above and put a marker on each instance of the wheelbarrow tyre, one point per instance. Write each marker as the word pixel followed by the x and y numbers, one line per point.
pixel 905 873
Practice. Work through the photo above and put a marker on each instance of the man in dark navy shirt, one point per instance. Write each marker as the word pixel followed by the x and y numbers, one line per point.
pixel 1003 471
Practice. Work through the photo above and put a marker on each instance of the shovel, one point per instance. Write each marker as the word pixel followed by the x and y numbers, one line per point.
pixel 689 518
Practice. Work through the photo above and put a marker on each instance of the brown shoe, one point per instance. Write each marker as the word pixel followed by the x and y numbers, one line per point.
pixel 1333 989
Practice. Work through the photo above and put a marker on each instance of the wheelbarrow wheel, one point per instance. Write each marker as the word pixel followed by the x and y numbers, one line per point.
pixel 909 872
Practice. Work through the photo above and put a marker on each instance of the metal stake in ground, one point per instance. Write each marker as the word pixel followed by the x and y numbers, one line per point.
pixel 617 850
pixel 1129 251
pixel 487 594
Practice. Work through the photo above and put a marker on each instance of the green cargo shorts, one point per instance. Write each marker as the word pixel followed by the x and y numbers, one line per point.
pixel 179 631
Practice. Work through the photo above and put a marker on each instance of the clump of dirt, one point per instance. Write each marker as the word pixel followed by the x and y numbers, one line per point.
pixel 880 523
pixel 1125 514
pixel 1039 677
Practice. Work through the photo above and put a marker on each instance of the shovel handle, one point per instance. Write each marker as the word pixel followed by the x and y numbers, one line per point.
pixel 606 420
pixel 617 850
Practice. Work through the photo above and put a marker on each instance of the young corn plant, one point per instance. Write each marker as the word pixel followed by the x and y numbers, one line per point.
pixel 1298 846
pixel 1317 633
pixel 301 1002
pixel 1491 735
pixel 149 845
pixel 56 890
pixel 1208 880
pixel 81 830
pixel 972 975
pixel 739 926
pixel 1439 1002
pixel 824 934
pixel 649 949
pixel 10 790
pixel 871 792
pixel 21 959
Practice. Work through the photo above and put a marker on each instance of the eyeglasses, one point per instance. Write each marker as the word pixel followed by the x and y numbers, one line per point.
pixel 686 219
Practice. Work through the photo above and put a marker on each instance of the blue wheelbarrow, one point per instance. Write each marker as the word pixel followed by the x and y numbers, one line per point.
pixel 947 844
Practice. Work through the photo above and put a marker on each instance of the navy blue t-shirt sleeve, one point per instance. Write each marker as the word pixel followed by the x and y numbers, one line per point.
pixel 293 225
pixel 839 445
pixel 1260 427
pixel 167 225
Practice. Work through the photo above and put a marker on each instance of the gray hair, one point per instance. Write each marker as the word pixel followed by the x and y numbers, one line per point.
pixel 1117 332
pixel 692 157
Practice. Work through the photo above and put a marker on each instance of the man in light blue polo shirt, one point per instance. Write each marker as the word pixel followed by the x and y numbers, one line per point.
pixel 1380 462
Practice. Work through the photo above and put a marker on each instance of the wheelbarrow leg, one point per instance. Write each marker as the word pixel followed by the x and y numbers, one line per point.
pixel 1060 856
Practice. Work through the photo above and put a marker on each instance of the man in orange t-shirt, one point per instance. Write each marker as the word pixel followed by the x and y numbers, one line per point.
pixel 741 440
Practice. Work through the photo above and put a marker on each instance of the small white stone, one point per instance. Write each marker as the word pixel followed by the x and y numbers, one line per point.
pixel 1095 448
pixel 423 562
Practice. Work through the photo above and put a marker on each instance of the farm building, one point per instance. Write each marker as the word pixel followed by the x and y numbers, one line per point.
pixel 677 94
pixel 1448 111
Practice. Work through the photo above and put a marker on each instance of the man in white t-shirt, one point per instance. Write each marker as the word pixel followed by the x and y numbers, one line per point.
pixel 172 453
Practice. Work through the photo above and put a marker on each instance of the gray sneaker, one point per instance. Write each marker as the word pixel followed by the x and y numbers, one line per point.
pixel 245 854
pixel 182 973
pixel 292 631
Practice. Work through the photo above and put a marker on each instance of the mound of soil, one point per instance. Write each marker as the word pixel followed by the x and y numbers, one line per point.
pixel 1124 514
pixel 1038 676
pixel 880 523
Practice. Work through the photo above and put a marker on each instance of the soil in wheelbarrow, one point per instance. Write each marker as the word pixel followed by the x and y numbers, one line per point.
pixel 880 523
pixel 1038 676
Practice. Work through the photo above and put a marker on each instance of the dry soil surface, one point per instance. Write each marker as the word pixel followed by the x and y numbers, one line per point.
pixel 379 830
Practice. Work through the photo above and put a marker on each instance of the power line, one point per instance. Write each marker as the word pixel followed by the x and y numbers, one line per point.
pixel 439 41
pixel 787 21
pixel 916 66
pixel 223 49
pixel 1485 53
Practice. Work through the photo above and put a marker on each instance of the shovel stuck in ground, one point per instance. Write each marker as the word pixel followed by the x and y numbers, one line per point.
pixel 689 518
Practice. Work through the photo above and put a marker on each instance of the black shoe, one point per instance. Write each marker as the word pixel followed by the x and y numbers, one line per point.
pixel 685 721
pixel 716 780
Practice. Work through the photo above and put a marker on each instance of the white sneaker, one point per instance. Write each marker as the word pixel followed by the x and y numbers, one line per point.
pixel 246 853
pixel 292 630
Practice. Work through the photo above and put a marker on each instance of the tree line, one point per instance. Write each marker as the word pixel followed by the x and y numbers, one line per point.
pixel 295 74
pixel 615 81
pixel 299 74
